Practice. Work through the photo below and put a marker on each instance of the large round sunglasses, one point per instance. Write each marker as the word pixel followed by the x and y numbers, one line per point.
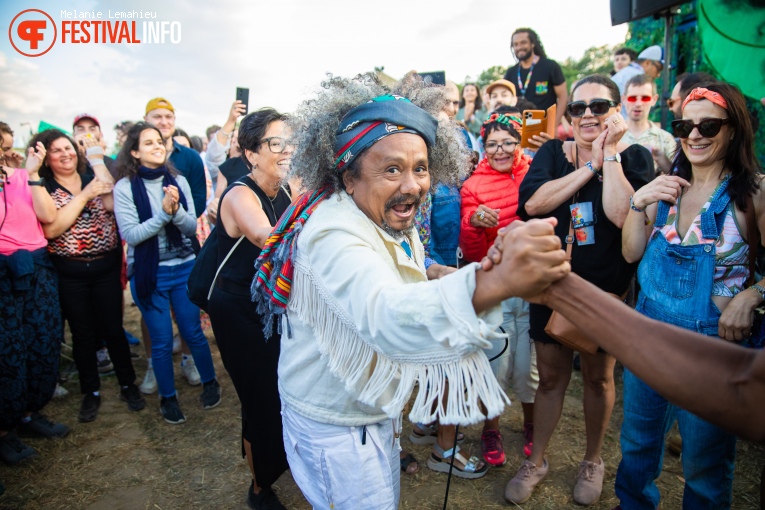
pixel 708 128
pixel 598 107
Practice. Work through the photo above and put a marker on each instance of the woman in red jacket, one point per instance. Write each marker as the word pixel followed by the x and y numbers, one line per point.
pixel 490 202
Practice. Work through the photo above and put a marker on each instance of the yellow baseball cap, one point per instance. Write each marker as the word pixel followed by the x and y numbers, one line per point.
pixel 501 83
pixel 159 102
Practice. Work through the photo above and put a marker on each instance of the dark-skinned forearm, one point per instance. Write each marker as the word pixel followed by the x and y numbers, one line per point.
pixel 720 382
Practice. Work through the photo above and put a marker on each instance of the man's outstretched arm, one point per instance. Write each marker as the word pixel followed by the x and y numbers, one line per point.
pixel 714 379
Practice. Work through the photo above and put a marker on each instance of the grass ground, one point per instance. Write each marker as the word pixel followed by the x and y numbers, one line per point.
pixel 135 461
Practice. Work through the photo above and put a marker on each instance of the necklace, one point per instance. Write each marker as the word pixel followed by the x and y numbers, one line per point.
pixel 270 200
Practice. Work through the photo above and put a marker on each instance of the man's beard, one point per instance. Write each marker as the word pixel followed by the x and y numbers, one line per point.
pixel 400 235
pixel 523 55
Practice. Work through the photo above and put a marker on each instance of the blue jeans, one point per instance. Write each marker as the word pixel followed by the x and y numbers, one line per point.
pixel 445 224
pixel 171 290
pixel 708 452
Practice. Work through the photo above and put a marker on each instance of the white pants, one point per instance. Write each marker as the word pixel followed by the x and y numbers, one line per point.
pixel 517 366
pixel 336 471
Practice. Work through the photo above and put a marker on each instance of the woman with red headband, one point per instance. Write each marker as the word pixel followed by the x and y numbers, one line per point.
pixel 490 202
pixel 692 231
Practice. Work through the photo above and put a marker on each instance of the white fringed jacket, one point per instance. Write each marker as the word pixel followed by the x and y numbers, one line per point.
pixel 366 325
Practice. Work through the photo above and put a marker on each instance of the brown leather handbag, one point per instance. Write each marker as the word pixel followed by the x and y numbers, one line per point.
pixel 563 330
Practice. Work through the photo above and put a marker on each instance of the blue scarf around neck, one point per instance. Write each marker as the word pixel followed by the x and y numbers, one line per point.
pixel 146 254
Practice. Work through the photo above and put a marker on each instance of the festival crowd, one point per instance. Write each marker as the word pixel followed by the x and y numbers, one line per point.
pixel 384 242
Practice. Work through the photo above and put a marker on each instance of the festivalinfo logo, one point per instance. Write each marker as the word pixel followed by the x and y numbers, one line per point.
pixel 34 32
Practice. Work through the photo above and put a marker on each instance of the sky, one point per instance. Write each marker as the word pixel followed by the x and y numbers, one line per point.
pixel 280 49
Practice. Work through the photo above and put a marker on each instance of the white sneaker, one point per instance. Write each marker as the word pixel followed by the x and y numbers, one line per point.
pixel 104 361
pixel 60 391
pixel 149 384
pixel 191 373
pixel 176 344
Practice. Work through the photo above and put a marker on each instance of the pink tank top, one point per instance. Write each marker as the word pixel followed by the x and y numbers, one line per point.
pixel 21 230
pixel 731 251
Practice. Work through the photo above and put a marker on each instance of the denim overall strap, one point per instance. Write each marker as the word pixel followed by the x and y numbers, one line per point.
pixel 676 280
pixel 662 211
pixel 709 227
pixel 712 218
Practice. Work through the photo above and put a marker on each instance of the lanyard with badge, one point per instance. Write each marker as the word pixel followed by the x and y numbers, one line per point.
pixel 583 218
pixel 521 87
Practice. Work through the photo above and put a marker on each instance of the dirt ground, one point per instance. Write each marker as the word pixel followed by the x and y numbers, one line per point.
pixel 135 461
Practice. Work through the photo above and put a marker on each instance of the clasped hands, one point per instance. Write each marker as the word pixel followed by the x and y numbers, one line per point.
pixel 526 258
pixel 170 202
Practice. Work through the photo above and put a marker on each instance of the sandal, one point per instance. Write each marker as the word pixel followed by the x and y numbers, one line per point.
pixel 429 434
pixel 442 463
pixel 407 461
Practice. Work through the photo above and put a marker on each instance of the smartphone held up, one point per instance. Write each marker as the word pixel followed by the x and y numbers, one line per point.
pixel 243 95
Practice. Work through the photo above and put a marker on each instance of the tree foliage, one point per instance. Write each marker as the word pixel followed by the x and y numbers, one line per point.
pixel 596 60
pixel 489 75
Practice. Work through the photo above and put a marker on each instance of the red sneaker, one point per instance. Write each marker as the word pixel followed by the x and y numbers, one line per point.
pixel 492 448
pixel 528 438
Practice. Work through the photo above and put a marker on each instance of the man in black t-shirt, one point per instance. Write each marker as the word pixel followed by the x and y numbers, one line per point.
pixel 536 77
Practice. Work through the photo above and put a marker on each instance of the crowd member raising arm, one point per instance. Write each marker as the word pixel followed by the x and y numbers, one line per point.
pixel 250 207
pixel 85 249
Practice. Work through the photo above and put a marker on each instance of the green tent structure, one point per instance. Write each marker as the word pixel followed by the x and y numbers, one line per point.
pixel 733 42
pixel 44 126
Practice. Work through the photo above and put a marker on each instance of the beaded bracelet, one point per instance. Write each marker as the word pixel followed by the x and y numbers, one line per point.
pixel 633 206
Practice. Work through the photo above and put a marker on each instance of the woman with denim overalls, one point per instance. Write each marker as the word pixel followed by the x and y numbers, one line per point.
pixel 690 231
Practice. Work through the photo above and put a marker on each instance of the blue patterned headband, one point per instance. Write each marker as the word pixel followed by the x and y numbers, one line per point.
pixel 368 123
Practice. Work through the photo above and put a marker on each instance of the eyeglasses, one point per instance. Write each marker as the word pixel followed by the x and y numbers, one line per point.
pixel 276 144
pixel 642 99
pixel 507 147
pixel 708 128
pixel 597 107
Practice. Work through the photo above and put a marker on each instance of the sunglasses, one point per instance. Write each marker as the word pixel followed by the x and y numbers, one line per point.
pixel 642 99
pixel 708 128
pixel 597 107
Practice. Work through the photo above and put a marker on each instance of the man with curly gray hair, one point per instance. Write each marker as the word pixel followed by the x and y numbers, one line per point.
pixel 345 270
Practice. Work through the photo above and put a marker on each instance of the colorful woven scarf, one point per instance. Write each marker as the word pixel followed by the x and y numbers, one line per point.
pixel 359 129
pixel 272 283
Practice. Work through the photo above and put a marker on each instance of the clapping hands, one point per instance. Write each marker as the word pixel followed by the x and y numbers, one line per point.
pixel 170 202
